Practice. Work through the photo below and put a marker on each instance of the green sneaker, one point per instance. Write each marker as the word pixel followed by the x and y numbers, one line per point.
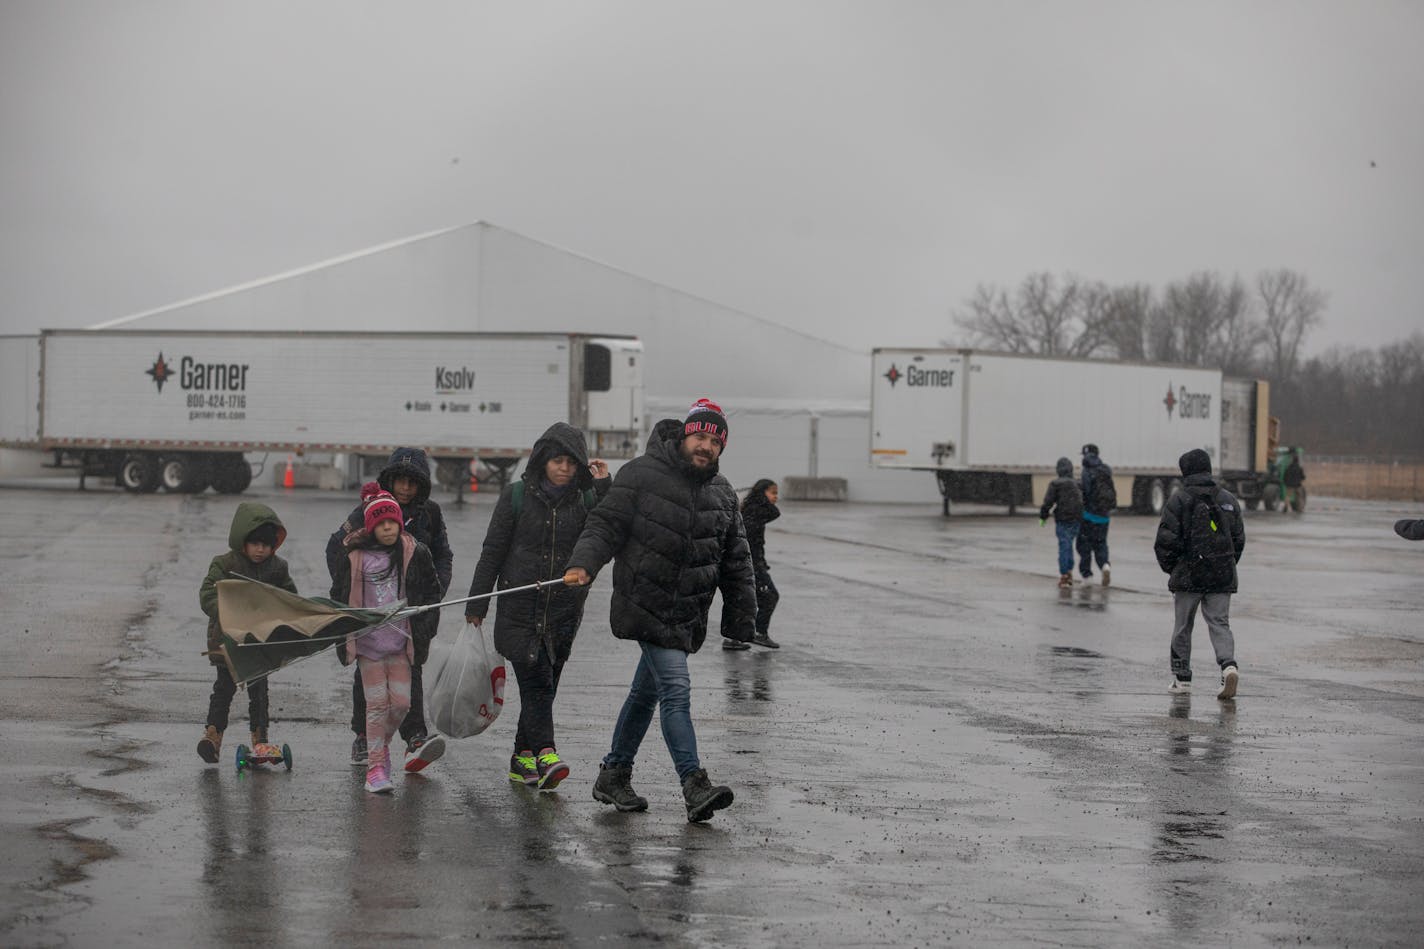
pixel 552 769
pixel 523 768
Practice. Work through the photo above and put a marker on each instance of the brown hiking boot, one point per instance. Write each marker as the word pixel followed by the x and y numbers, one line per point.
pixel 259 737
pixel 210 745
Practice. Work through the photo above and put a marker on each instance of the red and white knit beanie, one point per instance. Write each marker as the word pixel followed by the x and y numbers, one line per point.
pixel 706 416
pixel 379 504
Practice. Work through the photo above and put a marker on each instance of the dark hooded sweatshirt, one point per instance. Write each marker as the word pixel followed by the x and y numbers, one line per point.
pixel 423 518
pixel 535 546
pixel 678 539
pixel 1093 469
pixel 249 516
pixel 1064 498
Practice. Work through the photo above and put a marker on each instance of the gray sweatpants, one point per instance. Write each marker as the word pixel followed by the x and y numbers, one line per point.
pixel 1215 609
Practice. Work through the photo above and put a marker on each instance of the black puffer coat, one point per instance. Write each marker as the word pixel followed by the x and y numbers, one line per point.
pixel 1172 531
pixel 423 518
pixel 678 538
pixel 533 547
pixel 757 512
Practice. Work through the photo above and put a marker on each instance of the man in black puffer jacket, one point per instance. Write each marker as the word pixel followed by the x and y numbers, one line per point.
pixel 407 477
pixel 1199 542
pixel 672 523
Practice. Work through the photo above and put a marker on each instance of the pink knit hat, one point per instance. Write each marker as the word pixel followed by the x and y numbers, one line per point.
pixel 380 506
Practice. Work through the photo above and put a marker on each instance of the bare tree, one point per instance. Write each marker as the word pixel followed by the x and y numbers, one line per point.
pixel 1204 321
pixel 1126 312
pixel 1290 307
pixel 1043 316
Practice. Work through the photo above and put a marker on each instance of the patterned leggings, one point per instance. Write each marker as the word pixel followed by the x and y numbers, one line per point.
pixel 386 682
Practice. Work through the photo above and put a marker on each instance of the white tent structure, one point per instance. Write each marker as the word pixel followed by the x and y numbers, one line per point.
pixel 797 405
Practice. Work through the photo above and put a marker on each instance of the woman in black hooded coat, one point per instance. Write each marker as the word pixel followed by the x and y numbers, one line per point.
pixel 759 509
pixel 531 534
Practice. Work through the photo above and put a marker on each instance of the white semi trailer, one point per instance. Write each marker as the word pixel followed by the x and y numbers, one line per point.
pixel 179 409
pixel 986 424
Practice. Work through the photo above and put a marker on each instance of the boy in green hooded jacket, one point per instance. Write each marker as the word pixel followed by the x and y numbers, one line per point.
pixel 253 539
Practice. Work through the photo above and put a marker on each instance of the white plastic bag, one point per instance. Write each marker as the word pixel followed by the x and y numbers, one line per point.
pixel 464 690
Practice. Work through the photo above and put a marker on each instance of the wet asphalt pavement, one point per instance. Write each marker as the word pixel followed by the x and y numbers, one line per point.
pixel 946 751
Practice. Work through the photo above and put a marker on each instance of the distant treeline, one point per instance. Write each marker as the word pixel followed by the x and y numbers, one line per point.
pixel 1346 401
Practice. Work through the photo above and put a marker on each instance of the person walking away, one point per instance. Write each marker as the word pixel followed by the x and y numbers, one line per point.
pixel 1099 499
pixel 1292 479
pixel 672 527
pixel 1065 500
pixel 407 477
pixel 1199 543
pixel 531 534
pixel 253 539
pixel 384 565
pixel 758 509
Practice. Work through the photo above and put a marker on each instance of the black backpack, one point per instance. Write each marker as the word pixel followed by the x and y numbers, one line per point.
pixel 1104 497
pixel 1211 555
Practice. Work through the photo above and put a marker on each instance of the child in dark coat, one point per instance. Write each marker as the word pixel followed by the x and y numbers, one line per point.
pixel 1065 499
pixel 384 565
pixel 253 539
pixel 407 477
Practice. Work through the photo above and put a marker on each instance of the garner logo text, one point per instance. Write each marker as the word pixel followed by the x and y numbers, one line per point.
pixel 938 378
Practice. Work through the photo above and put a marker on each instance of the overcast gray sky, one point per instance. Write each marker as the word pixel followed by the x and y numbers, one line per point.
pixel 851 169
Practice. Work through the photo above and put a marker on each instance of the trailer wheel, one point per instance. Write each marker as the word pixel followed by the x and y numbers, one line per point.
pixel 139 473
pixel 1271 496
pixel 185 474
pixel 1157 495
pixel 1252 503
pixel 231 474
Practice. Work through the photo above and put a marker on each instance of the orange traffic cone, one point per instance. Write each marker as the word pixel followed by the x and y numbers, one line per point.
pixel 289 480
pixel 474 484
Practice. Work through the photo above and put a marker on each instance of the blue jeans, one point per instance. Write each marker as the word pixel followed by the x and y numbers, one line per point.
pixel 661 681
pixel 1067 533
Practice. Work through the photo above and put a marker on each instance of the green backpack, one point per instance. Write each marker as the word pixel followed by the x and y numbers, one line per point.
pixel 516 497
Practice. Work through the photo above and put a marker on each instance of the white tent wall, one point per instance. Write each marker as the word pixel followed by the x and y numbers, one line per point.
pixel 693 347
pixel 429 283
pixel 479 277
pixel 772 439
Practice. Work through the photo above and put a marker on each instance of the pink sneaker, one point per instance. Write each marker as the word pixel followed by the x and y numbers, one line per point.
pixel 378 773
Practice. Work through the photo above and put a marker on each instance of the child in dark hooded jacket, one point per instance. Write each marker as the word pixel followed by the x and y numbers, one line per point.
pixel 531 534
pixel 253 539
pixel 1065 499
